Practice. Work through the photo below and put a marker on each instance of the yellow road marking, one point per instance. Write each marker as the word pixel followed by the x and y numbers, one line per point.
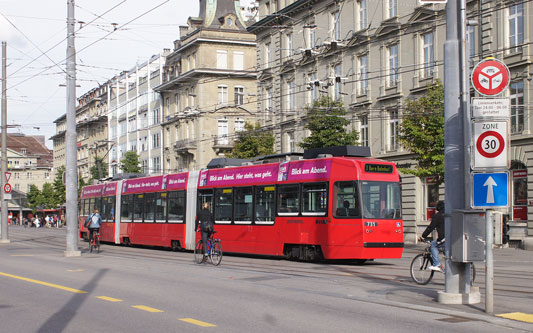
pixel 22 255
pixel 75 270
pixel 528 318
pixel 44 283
pixel 197 322
pixel 110 299
pixel 146 308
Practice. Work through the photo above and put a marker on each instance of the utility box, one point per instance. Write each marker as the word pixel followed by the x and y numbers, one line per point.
pixel 468 236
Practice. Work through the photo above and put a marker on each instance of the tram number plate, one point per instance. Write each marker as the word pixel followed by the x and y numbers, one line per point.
pixel 371 224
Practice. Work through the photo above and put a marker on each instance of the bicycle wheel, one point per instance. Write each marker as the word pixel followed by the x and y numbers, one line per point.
pixel 420 272
pixel 97 245
pixel 199 252
pixel 216 253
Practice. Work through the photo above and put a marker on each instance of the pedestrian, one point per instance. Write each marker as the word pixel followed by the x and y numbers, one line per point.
pixel 437 222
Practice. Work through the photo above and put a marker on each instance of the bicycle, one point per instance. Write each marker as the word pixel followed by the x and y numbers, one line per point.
pixel 420 272
pixel 214 251
pixel 94 243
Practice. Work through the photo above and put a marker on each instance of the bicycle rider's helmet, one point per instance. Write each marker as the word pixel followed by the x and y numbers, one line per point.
pixel 440 205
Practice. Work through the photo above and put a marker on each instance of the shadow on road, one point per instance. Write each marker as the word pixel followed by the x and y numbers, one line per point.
pixel 60 320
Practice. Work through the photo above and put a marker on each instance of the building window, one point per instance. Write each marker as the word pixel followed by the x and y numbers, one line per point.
pixel 432 197
pixel 517 106
pixel 132 124
pixel 144 120
pixel 239 95
pixel 123 128
pixel 176 103
pixel 289 44
pixel 516 27
pixel 222 59
pixel 223 131
pixel 291 146
pixel 428 55
pixel 363 130
pixel 239 125
pixel 392 65
pixel 291 102
pixel 269 104
pixel 223 95
pixel 238 61
pixel 393 130
pixel 335 27
pixel 393 8
pixel 362 14
pixel 156 164
pixel 310 33
pixel 267 55
pixel 156 115
pixel 17 187
pixel 471 40
pixel 156 140
pixel 362 63
pixel 23 151
pixel 144 166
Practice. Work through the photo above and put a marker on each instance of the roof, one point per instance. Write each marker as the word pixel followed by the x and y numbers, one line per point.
pixel 33 146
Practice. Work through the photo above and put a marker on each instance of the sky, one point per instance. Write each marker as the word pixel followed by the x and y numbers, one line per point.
pixel 36 31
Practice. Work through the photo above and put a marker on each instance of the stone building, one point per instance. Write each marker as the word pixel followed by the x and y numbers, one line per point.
pixel 374 55
pixel 209 87
pixel 91 130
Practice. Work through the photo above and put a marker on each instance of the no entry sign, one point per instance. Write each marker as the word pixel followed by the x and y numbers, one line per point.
pixel 490 77
pixel 490 145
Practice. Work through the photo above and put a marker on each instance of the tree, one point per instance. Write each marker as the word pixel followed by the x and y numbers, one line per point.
pixel 327 125
pixel 130 162
pixel 46 197
pixel 32 196
pixel 99 169
pixel 253 142
pixel 59 187
pixel 422 133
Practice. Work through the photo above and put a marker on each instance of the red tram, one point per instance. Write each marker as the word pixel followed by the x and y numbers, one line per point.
pixel 331 208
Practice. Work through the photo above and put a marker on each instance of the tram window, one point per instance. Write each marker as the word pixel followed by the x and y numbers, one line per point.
pixel 126 212
pixel 81 205
pixel 288 200
pixel 98 205
pixel 243 205
pixel 109 209
pixel 138 205
pixel 223 204
pixel 176 206
pixel 86 208
pixel 264 204
pixel 161 207
pixel 315 199
pixel 103 212
pixel 381 200
pixel 149 207
pixel 346 200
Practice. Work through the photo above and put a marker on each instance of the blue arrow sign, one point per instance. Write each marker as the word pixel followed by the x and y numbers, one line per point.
pixel 491 189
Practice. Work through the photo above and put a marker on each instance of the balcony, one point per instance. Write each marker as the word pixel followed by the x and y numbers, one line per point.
pixel 184 146
pixel 223 144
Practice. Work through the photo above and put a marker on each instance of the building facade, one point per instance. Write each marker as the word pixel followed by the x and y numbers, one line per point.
pixel 209 87
pixel 374 55
pixel 135 115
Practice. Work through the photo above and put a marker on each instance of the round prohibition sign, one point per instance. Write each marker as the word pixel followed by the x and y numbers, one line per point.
pixel 490 77
pixel 490 144
pixel 7 188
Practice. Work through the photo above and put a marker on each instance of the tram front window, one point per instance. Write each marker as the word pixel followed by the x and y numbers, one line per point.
pixel 381 200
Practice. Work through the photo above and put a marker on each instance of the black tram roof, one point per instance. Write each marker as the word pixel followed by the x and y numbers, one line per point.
pixel 337 151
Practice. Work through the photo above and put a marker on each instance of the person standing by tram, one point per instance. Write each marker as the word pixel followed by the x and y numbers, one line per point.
pixel 205 222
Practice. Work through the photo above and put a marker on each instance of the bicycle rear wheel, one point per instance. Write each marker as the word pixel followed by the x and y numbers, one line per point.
pixel 420 272
pixel 97 244
pixel 199 252
pixel 216 253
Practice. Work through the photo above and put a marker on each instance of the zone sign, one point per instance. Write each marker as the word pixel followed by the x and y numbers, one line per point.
pixel 490 77
pixel 490 145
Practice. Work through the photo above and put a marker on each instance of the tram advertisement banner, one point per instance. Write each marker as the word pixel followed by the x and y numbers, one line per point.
pixel 142 184
pixel 239 176
pixel 92 191
pixel 176 181
pixel 309 170
pixel 109 189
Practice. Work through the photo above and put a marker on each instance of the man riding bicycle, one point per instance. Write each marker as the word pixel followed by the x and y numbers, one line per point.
pixel 205 221
pixel 437 222
pixel 93 223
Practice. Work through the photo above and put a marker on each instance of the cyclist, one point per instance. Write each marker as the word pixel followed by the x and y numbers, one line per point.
pixel 93 223
pixel 437 222
pixel 204 220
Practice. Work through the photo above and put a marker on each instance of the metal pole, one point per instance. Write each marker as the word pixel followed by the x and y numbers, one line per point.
pixel 71 149
pixel 453 138
pixel 489 267
pixel 4 238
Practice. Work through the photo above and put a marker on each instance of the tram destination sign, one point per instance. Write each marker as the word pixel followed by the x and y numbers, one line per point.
pixel 378 168
pixel 491 108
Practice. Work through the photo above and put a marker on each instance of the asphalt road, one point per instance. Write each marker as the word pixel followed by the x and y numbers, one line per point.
pixel 125 289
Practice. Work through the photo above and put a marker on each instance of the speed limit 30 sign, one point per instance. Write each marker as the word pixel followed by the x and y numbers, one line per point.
pixel 491 145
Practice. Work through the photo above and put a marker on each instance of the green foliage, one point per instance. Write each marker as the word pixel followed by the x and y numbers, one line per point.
pixel 422 132
pixel 59 187
pixel 327 125
pixel 130 162
pixel 253 142
pixel 99 166
pixel 32 197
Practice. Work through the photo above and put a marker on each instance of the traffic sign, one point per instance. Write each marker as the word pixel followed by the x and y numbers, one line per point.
pixel 490 77
pixel 491 108
pixel 490 189
pixel 7 188
pixel 491 140
pixel 8 176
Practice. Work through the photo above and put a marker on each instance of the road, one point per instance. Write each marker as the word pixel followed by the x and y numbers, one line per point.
pixel 127 289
